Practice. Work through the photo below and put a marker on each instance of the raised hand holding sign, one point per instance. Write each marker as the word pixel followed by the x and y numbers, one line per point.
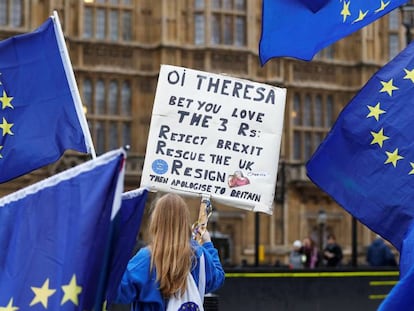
pixel 200 226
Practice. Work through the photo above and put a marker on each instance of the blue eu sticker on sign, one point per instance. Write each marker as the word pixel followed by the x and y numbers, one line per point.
pixel 159 166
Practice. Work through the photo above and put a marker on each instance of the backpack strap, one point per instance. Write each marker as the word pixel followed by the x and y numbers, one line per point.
pixel 202 277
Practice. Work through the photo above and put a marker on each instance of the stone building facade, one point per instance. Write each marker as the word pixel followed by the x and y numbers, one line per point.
pixel 116 48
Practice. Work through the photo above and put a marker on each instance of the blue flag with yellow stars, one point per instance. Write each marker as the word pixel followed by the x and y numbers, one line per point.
pixel 126 226
pixel 54 236
pixel 40 114
pixel 366 163
pixel 301 28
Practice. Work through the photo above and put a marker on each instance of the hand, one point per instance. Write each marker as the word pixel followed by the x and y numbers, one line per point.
pixel 205 237
pixel 329 254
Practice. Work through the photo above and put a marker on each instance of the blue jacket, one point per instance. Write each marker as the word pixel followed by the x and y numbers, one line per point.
pixel 138 285
pixel 379 254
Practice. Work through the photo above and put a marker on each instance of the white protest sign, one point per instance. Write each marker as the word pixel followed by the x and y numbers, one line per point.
pixel 215 135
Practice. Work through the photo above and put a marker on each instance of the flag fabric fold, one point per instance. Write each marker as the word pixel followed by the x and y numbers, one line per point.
pixel 315 5
pixel 40 115
pixel 54 234
pixel 401 296
pixel 126 226
pixel 366 163
pixel 301 28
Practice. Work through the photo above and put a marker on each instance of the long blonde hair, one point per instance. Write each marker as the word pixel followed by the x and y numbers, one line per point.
pixel 171 252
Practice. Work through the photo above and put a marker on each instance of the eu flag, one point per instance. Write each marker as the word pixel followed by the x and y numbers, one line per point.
pixel 126 225
pixel 54 235
pixel 366 163
pixel 40 114
pixel 301 28
pixel 401 296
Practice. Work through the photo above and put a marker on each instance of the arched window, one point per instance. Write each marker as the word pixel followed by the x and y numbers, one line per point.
pixel 100 24
pixel 317 112
pixel 114 25
pixel 307 116
pixel 113 136
pixel 126 99
pixel 329 112
pixel 113 98
pixel 17 13
pixel 100 137
pixel 87 96
pixel 109 112
pixel 11 13
pixel 126 134
pixel 296 112
pixel 3 12
pixel 308 146
pixel 100 97
pixel 87 23
pixel 227 20
pixel 297 142
pixel 127 26
pixel 108 20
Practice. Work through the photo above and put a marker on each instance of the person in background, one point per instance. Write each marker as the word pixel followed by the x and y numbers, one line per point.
pixel 296 258
pixel 160 269
pixel 332 252
pixel 379 254
pixel 311 252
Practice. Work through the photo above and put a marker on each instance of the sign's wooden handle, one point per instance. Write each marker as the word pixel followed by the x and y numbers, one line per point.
pixel 200 226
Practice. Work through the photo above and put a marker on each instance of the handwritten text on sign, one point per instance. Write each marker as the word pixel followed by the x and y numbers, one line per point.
pixel 217 135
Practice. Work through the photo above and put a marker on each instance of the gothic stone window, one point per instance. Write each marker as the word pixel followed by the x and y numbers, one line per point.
pixel 11 13
pixel 226 20
pixel 311 119
pixel 108 110
pixel 108 20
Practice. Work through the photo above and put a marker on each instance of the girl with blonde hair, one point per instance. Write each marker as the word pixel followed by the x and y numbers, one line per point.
pixel 160 270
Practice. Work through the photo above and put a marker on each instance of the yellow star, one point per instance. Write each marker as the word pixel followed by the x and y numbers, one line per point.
pixel 72 290
pixel 6 127
pixel 9 307
pixel 42 294
pixel 412 169
pixel 360 17
pixel 6 101
pixel 375 111
pixel 409 74
pixel 388 87
pixel 345 11
pixel 393 157
pixel 382 7
pixel 379 137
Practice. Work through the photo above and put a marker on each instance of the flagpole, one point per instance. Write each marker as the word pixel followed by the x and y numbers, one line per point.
pixel 72 83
